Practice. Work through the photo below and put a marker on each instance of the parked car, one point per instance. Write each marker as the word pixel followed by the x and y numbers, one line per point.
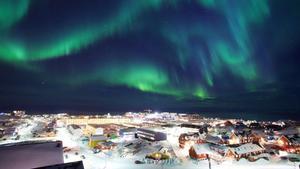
pixel 95 151
pixel 139 162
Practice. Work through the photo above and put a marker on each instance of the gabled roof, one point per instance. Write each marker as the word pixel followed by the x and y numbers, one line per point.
pixel 204 149
pixel 283 138
pixel 247 148
pixel 213 139
pixel 233 135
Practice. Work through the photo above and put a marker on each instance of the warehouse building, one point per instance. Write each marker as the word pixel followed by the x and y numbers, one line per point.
pixel 151 135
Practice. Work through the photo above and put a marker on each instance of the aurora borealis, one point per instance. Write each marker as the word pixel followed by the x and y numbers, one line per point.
pixel 193 55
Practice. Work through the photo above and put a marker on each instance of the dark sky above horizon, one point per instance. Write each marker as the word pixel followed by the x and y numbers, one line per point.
pixel 191 55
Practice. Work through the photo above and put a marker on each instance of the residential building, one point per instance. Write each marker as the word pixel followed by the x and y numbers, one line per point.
pixel 203 151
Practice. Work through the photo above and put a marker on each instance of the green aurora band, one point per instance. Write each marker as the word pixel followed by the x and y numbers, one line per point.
pixel 74 39
pixel 142 76
pixel 12 11
pixel 234 54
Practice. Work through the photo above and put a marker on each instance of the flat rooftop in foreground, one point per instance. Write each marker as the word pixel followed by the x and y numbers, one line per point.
pixel 30 154
pixel 29 142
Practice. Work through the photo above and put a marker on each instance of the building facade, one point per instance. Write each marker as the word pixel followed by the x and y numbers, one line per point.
pixel 151 135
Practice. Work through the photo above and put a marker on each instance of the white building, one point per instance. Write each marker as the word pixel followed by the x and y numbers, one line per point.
pixel 248 149
pixel 75 130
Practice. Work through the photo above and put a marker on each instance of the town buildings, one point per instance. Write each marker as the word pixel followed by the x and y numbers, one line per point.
pixel 148 138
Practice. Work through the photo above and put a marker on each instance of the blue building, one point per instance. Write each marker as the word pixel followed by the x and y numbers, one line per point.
pixel 151 135
pixel 130 131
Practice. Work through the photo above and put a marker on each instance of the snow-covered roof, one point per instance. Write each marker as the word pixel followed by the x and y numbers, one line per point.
pixel 220 147
pixel 98 137
pixel 247 148
pixel 213 139
pixel 202 149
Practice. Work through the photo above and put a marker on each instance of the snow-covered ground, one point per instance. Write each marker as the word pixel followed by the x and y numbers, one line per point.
pixel 25 131
pixel 115 160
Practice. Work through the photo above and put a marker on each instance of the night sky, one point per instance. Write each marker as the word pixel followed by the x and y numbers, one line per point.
pixel 167 55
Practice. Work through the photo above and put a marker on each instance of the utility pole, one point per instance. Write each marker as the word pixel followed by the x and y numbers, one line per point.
pixel 208 158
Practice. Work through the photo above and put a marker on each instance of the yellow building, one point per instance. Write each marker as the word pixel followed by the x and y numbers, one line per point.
pixel 94 129
pixel 95 139
pixel 234 139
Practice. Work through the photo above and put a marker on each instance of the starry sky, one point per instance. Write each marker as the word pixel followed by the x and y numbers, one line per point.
pixel 168 55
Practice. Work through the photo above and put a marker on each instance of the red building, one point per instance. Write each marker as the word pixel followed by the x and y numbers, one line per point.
pixel 203 151
pixel 106 145
pixel 189 139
